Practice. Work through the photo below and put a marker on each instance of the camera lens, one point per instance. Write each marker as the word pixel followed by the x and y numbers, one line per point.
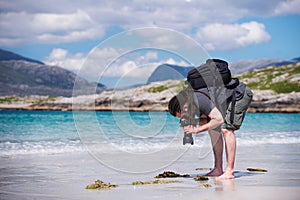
pixel 188 139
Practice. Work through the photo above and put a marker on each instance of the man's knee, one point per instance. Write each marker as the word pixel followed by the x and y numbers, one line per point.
pixel 227 131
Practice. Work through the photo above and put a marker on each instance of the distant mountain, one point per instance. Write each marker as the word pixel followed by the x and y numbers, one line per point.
pixel 296 59
pixel 7 55
pixel 168 72
pixel 26 77
pixel 174 72
pixel 243 66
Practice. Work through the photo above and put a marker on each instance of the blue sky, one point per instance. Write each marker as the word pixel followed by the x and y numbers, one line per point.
pixel 63 32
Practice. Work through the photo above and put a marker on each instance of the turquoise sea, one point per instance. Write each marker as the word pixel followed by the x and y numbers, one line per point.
pixel 39 132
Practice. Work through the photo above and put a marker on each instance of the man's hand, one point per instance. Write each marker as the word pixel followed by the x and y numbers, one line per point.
pixel 190 129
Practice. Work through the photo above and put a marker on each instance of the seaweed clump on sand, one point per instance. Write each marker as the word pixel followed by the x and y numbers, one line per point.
pixel 203 168
pixel 100 185
pixel 169 174
pixel 257 170
pixel 155 182
pixel 201 178
pixel 206 185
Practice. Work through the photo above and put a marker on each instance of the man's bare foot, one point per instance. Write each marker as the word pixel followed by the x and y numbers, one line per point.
pixel 215 172
pixel 228 174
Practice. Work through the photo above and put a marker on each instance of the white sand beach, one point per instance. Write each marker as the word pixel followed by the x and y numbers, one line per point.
pixel 65 176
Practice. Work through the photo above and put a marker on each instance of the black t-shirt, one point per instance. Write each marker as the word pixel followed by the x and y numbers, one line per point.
pixel 204 104
pixel 222 97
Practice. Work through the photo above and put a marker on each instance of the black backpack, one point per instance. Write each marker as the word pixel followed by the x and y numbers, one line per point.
pixel 214 72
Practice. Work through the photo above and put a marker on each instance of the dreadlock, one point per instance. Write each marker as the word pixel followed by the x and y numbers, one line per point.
pixel 174 106
pixel 176 103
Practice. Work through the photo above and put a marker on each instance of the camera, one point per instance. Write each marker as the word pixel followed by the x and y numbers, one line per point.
pixel 188 139
pixel 185 121
pixel 189 112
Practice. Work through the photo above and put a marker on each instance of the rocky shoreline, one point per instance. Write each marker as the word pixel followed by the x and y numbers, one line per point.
pixel 153 97
pixel 268 101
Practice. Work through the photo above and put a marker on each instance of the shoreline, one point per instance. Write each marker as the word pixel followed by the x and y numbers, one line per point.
pixel 295 108
pixel 286 111
pixel 266 110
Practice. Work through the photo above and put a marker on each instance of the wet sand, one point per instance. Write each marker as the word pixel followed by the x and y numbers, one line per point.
pixel 65 175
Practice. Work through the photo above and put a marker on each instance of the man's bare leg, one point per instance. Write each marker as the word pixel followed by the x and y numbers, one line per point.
pixel 217 144
pixel 230 145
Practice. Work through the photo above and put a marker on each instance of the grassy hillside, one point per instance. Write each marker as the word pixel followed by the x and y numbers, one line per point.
pixel 283 79
pixel 166 85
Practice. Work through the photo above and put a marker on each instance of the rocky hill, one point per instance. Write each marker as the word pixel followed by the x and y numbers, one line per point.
pixel 24 77
pixel 283 79
pixel 168 72
pixel 244 66
pixel 7 55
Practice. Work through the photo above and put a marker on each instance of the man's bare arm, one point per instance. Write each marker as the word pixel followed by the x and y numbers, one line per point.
pixel 216 120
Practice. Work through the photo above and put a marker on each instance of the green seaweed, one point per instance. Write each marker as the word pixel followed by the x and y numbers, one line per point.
pixel 203 168
pixel 201 178
pixel 257 170
pixel 169 174
pixel 206 185
pixel 155 182
pixel 100 185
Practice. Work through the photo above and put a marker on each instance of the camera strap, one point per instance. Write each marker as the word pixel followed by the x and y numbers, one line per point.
pixel 203 94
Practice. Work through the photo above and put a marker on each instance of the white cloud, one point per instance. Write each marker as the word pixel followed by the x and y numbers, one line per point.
pixel 60 21
pixel 106 62
pixel 136 69
pixel 288 7
pixel 132 69
pixel 232 36
pixel 171 61
pixel 103 62
pixel 64 22
pixel 18 28
pixel 255 34
pixel 163 38
pixel 98 63
pixel 62 58
pixel 133 64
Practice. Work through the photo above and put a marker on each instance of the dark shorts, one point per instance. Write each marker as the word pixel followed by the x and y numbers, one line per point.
pixel 240 110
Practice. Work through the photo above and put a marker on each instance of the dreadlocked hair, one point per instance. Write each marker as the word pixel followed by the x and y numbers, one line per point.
pixel 177 102
pixel 173 106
